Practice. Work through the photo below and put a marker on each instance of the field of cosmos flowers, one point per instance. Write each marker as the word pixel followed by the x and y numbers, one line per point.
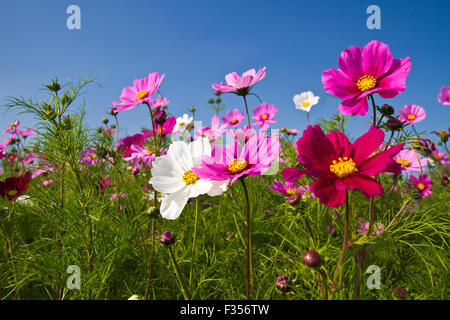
pixel 231 209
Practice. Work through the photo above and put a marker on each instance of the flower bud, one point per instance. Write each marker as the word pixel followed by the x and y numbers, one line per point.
pixel 444 180
pixel 386 110
pixel 211 101
pixel 167 238
pixel 400 293
pixel 311 258
pixel 160 116
pixel 65 100
pixel 394 124
pixel 192 109
pixel 443 135
pixel 218 100
pixel 105 120
pixel 337 117
pixel 112 111
pixel 54 86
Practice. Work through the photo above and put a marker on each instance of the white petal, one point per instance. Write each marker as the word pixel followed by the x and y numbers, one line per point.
pixel 218 187
pixel 200 147
pixel 180 153
pixel 173 204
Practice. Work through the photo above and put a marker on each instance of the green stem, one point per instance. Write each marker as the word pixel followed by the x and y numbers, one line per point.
pixel 374 110
pixel 248 244
pixel 193 242
pixel 246 110
pixel 180 277
pixel 344 244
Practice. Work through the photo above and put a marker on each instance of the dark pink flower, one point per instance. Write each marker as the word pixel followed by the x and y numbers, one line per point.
pixel 339 165
pixel 411 114
pixel 164 129
pixel 124 145
pixel 233 118
pixel 365 71
pixel 14 187
pixel 422 184
pixel 286 189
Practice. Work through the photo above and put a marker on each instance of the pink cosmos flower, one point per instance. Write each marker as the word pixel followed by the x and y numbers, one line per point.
pixel 116 195
pixel 103 184
pixel 411 114
pixel 164 129
pixel 340 165
pixel 444 96
pixel 233 118
pixel 422 184
pixel 365 71
pixel 2 150
pixel 29 158
pixel 140 155
pixel 216 130
pixel 235 161
pixel 364 227
pixel 408 160
pixel 240 85
pixel 12 128
pixel 287 189
pixel 108 131
pixel 26 133
pixel 439 156
pixel 263 115
pixel 89 157
pixel 243 133
pixel 124 145
pixel 159 102
pixel 140 92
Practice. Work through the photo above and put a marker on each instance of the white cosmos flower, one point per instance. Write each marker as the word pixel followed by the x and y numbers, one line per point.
pixel 305 100
pixel 183 124
pixel 173 177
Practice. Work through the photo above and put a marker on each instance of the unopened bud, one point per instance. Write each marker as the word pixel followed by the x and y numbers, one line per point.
pixel 167 238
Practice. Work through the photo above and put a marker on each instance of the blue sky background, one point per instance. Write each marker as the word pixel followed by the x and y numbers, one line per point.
pixel 195 43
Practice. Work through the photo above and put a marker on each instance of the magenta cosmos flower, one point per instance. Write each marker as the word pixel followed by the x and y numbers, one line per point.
pixel 422 184
pixel 411 114
pixel 140 92
pixel 286 189
pixel 235 161
pixel 339 165
pixel 233 118
pixel 124 145
pixel 365 71
pixel 444 96
pixel 12 128
pixel 161 129
pixel 264 115
pixel 240 84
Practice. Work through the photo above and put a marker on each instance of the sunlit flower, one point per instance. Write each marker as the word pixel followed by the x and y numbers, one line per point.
pixel 240 85
pixel 233 118
pixel 422 184
pixel 140 92
pixel 264 115
pixel 305 100
pixel 411 114
pixel 161 129
pixel 444 96
pixel 173 175
pixel 124 145
pixel 339 165
pixel 234 161
pixel 12 128
pixel 408 160
pixel 286 189
pixel 183 124
pixel 159 102
pixel 365 71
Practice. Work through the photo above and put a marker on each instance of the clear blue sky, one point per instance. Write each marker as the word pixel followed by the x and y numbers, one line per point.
pixel 195 43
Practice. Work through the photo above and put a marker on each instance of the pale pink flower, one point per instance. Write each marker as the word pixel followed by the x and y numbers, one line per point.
pixel 264 115
pixel 411 114
pixel 240 84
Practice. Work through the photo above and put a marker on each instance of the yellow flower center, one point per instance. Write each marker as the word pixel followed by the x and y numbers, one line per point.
pixel 234 121
pixel 237 165
pixel 181 124
pixel 12 193
pixel 291 191
pixel 142 94
pixel 411 116
pixel 264 117
pixel 437 157
pixel 305 104
pixel 366 83
pixel 92 156
pixel 150 152
pixel 189 177
pixel 403 162
pixel 343 167
pixel 420 186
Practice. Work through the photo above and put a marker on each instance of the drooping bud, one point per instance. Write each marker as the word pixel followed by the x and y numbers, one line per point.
pixel 167 238
pixel 160 116
pixel 443 135
pixel 394 124
pixel 112 111
pixel 311 258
